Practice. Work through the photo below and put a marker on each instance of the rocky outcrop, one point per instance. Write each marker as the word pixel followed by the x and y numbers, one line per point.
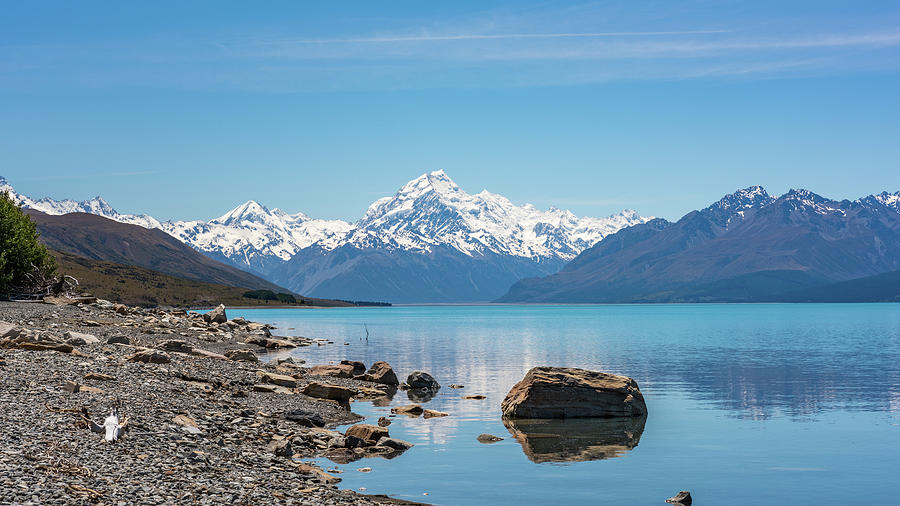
pixel 561 392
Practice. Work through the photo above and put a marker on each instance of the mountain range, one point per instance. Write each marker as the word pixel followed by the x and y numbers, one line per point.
pixel 430 242
pixel 747 247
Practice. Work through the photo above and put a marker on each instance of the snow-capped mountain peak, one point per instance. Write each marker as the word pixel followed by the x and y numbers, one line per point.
pixel 433 211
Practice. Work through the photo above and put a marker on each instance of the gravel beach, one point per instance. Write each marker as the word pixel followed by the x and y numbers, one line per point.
pixel 202 428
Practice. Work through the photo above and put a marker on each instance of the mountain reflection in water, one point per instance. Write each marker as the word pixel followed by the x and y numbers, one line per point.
pixel 576 439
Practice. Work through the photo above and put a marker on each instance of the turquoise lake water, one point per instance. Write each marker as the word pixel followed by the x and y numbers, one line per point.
pixel 748 403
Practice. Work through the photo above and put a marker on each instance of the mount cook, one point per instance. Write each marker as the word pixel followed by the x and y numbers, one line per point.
pixel 430 242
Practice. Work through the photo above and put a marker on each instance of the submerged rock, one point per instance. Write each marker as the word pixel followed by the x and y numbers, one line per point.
pixel 563 392
pixel 488 438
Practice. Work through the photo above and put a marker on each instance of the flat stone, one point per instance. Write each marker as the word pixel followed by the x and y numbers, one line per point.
pixel 412 410
pixel 277 379
pixel 118 340
pixel 477 397
pixel 430 413
pixel 98 376
pixel 80 339
pixel 150 357
pixel 242 356
pixel 395 444
pixel 325 391
pixel 336 371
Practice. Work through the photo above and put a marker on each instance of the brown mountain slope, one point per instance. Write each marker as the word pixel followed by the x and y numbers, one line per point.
pixel 99 238
pixel 143 287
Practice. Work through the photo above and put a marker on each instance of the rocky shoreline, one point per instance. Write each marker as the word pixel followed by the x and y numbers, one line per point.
pixel 206 421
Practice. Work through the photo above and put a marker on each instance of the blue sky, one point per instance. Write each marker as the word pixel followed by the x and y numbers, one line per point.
pixel 184 111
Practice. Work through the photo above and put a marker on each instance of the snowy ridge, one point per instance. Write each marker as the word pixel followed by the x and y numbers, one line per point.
pixel 432 211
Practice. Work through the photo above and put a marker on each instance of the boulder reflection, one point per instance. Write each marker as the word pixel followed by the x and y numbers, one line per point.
pixel 576 439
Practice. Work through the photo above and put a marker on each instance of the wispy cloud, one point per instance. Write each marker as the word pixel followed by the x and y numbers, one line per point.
pixel 499 36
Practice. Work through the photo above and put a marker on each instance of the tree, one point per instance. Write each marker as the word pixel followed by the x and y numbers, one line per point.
pixel 25 264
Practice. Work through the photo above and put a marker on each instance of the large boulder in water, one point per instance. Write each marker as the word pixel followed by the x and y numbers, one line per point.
pixel 563 392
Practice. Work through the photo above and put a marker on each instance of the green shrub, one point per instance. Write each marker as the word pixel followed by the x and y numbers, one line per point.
pixel 24 261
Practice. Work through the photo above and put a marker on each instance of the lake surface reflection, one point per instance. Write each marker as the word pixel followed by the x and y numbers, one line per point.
pixel 748 403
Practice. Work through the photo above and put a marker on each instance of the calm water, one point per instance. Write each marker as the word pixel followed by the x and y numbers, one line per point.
pixel 749 404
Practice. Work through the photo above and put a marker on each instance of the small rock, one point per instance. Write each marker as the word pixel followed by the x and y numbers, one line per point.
pixel 333 392
pixel 682 498
pixel 367 432
pixel 395 444
pixel 475 397
pixel 488 438
pixel 282 448
pixel 80 339
pixel 365 469
pixel 150 357
pixel 120 309
pixel 335 371
pixel 421 379
pixel 358 367
pixel 118 340
pixel 413 410
pixel 384 421
pixel 277 379
pixel 176 345
pixel 189 425
pixel 456 386
pixel 430 413
pixel 98 376
pixel 217 315
pixel 242 356
pixel 381 372
pixel 305 418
